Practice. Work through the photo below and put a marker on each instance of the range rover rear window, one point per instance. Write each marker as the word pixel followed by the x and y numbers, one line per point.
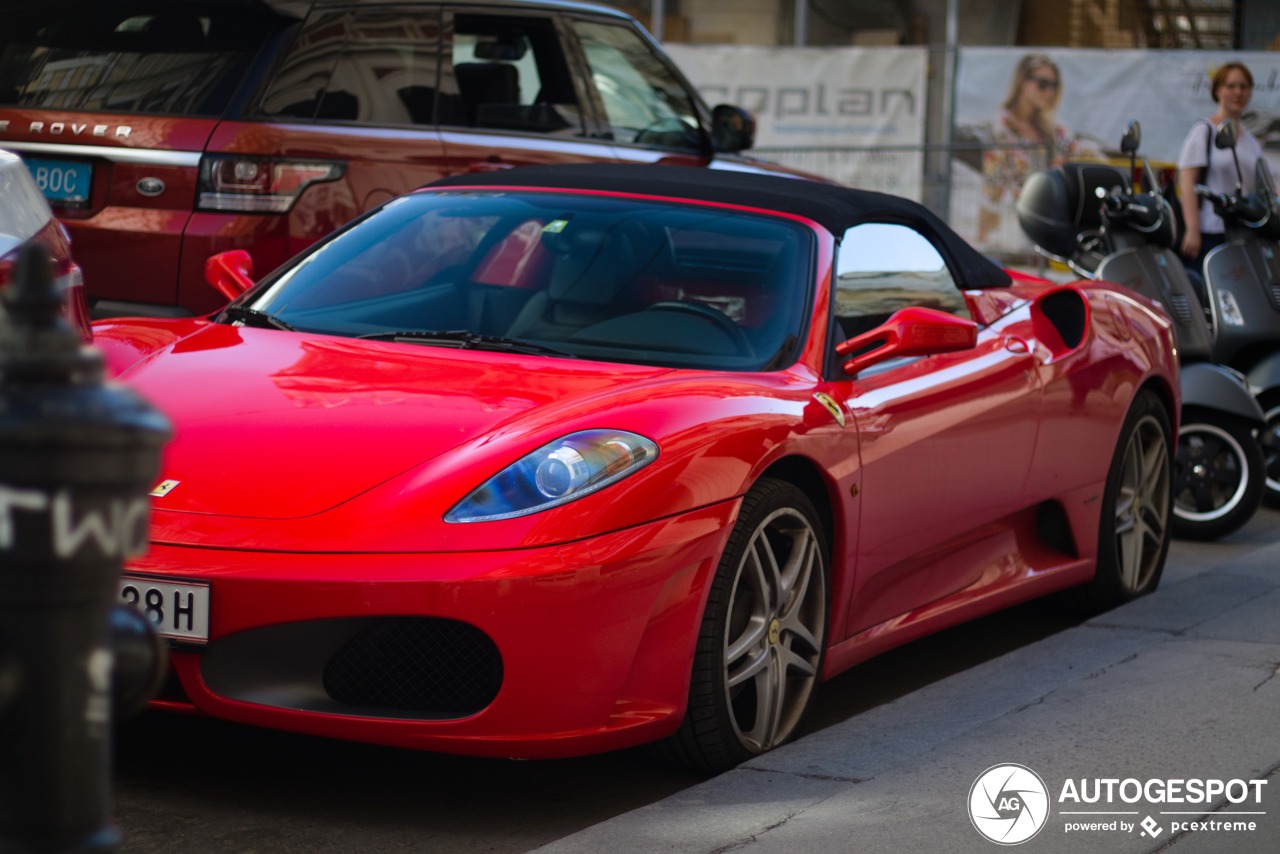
pixel 132 57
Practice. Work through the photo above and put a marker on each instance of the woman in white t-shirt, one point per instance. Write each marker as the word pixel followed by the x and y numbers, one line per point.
pixel 1232 86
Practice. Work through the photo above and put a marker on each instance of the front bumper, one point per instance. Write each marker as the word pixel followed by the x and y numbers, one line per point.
pixel 528 653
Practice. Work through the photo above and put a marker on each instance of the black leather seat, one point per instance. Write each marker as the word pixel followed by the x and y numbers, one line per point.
pixel 486 83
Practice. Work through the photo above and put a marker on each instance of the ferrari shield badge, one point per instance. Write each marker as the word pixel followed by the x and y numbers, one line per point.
pixel 829 403
pixel 163 488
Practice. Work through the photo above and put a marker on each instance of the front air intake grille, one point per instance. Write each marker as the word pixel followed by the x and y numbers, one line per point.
pixel 1180 308
pixel 439 668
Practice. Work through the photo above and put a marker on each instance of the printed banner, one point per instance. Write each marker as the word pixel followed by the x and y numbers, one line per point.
pixel 840 112
pixel 1099 92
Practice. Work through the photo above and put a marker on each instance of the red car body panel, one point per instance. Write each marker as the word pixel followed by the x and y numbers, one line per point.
pixel 618 590
pixel 595 605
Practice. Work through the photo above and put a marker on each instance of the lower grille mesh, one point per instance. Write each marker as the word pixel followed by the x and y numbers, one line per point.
pixel 442 668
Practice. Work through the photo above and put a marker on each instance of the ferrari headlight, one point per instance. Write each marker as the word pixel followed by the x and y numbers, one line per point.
pixel 563 471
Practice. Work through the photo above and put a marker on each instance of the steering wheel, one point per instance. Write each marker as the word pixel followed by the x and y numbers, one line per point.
pixel 706 312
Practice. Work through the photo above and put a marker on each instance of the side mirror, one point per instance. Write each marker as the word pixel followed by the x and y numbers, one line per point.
pixel 732 129
pixel 1225 137
pixel 911 331
pixel 230 272
pixel 1132 138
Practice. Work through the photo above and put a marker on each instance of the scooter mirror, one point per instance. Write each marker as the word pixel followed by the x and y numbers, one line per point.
pixel 1225 137
pixel 1132 138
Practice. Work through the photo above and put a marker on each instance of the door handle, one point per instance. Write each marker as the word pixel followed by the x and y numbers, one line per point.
pixel 1016 345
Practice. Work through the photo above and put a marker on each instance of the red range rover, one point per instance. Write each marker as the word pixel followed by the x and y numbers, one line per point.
pixel 164 131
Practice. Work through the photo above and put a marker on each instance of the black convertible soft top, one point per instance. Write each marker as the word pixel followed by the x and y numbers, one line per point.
pixel 832 206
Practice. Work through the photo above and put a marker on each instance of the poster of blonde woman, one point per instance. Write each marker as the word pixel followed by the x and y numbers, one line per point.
pixel 1023 136
pixel 1017 112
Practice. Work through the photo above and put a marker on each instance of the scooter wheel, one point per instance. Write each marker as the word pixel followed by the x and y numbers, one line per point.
pixel 1219 475
pixel 1270 442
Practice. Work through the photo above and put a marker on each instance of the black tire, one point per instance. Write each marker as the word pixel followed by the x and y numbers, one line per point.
pixel 1219 475
pixel 753 642
pixel 1269 440
pixel 1137 510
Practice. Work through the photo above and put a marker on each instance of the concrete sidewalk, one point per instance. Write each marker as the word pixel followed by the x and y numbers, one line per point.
pixel 1182 685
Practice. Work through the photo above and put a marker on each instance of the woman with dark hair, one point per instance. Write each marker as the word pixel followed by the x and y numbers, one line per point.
pixel 1232 86
pixel 1026 138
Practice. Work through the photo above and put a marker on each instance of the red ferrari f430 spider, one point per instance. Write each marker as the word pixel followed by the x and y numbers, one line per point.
pixel 569 458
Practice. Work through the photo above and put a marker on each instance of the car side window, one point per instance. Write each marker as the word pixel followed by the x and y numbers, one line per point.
pixel 644 102
pixel 882 267
pixel 368 65
pixel 507 72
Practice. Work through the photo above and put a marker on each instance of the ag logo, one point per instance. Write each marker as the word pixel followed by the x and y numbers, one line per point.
pixel 1008 804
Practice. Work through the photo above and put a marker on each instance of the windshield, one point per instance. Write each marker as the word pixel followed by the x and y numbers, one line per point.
pixel 585 276
pixel 136 56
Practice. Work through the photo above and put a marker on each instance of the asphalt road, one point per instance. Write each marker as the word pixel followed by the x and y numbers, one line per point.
pixel 191 784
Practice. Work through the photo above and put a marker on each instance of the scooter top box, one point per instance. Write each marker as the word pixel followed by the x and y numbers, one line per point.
pixel 1056 205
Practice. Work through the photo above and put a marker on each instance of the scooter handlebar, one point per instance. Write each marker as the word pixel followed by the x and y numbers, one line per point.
pixel 1141 211
pixel 1243 209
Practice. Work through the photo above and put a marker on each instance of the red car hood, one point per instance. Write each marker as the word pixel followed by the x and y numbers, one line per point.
pixel 282 425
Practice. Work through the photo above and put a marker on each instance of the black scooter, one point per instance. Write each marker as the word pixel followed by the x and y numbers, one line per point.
pixel 1242 287
pixel 1089 216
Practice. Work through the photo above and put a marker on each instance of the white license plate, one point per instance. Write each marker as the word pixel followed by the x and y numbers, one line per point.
pixel 178 610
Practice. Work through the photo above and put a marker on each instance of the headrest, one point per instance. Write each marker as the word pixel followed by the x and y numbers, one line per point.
pixel 594 261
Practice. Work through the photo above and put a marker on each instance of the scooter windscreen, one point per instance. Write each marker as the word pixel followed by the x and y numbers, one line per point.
pixel 1264 196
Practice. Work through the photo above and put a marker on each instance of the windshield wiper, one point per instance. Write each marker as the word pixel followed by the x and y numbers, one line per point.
pixel 466 340
pixel 253 317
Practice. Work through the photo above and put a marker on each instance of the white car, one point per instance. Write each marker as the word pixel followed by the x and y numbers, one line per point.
pixel 25 217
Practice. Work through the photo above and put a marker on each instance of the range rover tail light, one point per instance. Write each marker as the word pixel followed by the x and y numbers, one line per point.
pixel 258 184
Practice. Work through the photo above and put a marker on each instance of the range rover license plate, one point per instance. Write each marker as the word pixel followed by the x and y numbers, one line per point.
pixel 63 182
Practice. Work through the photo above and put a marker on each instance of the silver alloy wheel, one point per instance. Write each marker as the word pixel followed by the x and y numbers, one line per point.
pixel 774 635
pixel 1142 505
pixel 1214 475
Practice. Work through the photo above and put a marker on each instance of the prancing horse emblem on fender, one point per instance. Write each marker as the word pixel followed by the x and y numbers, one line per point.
pixel 164 487
pixel 829 403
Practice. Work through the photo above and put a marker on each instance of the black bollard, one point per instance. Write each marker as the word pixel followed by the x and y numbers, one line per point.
pixel 77 460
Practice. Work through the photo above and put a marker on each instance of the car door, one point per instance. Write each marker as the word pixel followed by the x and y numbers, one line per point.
pixel 946 440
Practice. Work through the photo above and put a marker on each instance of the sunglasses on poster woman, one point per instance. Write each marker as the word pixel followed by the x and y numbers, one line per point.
pixel 1044 84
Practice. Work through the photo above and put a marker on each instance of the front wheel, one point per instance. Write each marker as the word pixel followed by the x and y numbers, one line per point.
pixel 1219 475
pixel 760 646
